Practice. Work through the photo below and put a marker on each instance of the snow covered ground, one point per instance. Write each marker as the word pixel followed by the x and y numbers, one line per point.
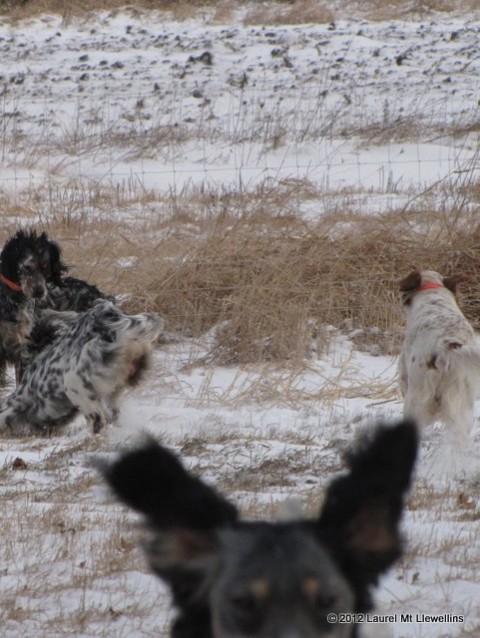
pixel 373 113
pixel 70 566
pixel 356 105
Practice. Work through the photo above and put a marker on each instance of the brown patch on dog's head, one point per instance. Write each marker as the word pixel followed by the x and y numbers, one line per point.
pixel 455 280
pixel 409 285
pixel 454 345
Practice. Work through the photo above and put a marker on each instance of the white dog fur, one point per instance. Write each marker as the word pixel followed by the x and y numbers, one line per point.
pixel 439 365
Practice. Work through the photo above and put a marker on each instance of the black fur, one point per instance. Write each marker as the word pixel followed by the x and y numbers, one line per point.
pixel 380 475
pixel 45 255
pixel 32 268
pixel 73 294
pixel 152 481
pixel 222 571
pixel 25 268
pixel 49 325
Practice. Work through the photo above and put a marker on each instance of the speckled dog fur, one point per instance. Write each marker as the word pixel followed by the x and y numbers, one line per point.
pixel 439 366
pixel 84 370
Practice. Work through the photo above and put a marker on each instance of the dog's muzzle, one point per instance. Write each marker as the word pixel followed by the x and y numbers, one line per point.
pixel 34 287
pixel 148 325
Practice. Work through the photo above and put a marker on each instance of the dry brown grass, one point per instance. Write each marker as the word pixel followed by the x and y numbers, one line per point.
pixel 20 9
pixel 293 12
pixel 272 280
pixel 277 281
pixel 66 554
pixel 274 12
pixel 380 10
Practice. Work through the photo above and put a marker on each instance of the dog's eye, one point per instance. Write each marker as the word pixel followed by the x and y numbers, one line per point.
pixel 315 594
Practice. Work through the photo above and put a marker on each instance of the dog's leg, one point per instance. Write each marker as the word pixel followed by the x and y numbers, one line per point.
pixel 112 404
pixel 11 421
pixel 459 425
pixel 108 414
pixel 4 414
pixel 402 375
pixel 414 409
pixel 85 398
pixel 3 372
pixel 19 371
pixel 96 421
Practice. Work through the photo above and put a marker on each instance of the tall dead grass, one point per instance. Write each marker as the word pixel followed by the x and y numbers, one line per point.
pixel 296 12
pixel 274 12
pixel 271 280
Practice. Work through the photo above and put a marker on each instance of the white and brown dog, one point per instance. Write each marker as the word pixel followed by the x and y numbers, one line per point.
pixel 439 365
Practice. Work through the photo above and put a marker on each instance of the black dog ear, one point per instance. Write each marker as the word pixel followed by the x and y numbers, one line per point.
pixel 12 251
pixel 53 253
pixel 411 282
pixel 360 518
pixel 409 285
pixel 183 511
pixel 152 481
pixel 455 280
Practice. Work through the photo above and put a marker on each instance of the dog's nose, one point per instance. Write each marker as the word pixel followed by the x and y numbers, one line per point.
pixel 38 292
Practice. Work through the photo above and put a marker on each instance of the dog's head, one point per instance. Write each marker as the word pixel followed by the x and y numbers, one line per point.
pixel 112 325
pixel 232 578
pixel 419 280
pixel 30 261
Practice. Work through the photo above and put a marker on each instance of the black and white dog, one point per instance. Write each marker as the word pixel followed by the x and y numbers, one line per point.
pixel 32 277
pixel 241 579
pixel 25 267
pixel 85 370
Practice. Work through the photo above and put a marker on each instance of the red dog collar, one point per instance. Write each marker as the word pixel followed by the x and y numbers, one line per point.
pixel 10 284
pixel 430 286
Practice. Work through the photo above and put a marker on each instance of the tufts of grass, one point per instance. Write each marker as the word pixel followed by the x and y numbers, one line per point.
pixel 285 12
pixel 243 265
pixel 273 12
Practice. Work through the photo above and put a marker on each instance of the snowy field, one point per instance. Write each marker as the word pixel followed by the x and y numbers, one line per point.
pixel 373 115
pixel 378 107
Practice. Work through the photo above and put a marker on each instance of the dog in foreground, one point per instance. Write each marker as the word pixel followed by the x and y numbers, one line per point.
pixel 85 370
pixel 32 277
pixel 232 578
pixel 439 365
